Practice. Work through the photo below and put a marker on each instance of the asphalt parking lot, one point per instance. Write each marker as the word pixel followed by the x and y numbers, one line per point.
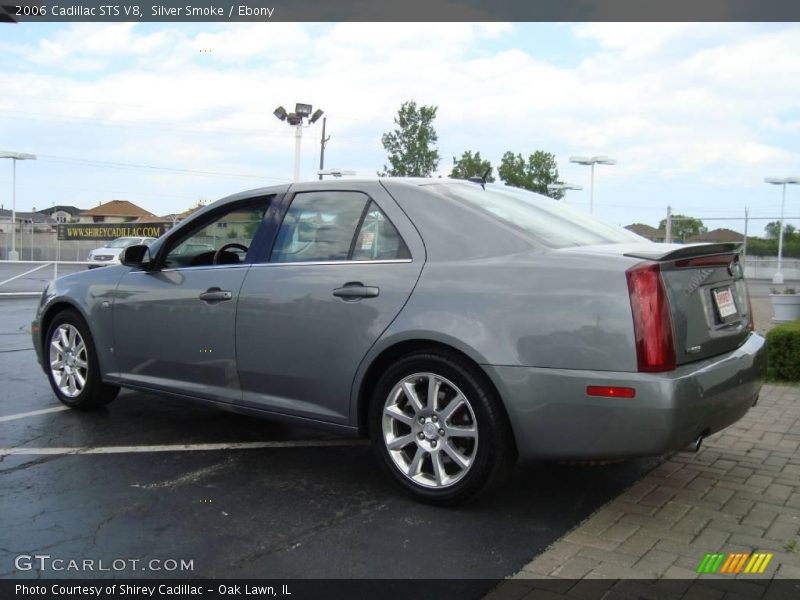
pixel 310 506
pixel 31 277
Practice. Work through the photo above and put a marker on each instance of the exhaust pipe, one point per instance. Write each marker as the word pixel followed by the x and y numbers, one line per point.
pixel 698 442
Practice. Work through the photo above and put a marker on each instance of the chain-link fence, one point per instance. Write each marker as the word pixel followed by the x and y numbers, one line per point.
pixel 42 256
pixel 765 267
pixel 760 256
pixel 44 245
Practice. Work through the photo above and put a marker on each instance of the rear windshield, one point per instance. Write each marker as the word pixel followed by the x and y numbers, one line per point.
pixel 550 222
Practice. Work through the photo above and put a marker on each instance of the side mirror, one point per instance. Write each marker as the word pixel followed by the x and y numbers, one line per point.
pixel 135 256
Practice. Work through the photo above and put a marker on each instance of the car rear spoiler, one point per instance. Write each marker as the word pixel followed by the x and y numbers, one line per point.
pixel 688 251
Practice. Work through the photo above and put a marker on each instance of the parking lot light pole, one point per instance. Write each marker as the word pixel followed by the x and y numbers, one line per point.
pixel 778 277
pixel 563 187
pixel 335 173
pixel 14 156
pixel 295 119
pixel 592 161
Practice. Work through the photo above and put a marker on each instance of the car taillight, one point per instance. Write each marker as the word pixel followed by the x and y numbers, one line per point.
pixel 652 322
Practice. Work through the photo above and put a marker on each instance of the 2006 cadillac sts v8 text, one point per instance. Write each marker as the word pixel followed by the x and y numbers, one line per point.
pixel 458 325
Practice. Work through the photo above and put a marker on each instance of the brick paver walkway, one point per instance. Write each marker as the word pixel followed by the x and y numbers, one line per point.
pixel 740 493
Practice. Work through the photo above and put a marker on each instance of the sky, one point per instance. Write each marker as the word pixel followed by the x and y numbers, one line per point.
pixel 696 114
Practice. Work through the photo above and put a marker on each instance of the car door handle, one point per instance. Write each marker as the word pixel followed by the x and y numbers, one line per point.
pixel 356 290
pixel 216 295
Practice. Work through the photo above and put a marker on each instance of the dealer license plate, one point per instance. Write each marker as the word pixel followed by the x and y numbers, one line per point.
pixel 725 304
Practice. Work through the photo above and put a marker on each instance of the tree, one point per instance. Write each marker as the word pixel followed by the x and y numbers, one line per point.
pixel 471 165
pixel 762 247
pixel 535 174
pixel 411 146
pixel 683 227
pixel 773 230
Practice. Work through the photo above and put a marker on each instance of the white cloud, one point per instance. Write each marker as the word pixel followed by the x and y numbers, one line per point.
pixel 83 46
pixel 707 101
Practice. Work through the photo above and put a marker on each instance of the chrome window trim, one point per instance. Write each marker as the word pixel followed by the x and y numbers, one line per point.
pixel 282 264
pixel 196 268
pixel 335 262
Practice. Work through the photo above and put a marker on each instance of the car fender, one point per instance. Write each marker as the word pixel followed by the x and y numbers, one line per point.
pixel 91 294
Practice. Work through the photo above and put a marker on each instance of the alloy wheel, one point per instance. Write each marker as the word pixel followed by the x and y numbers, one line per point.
pixel 69 364
pixel 430 430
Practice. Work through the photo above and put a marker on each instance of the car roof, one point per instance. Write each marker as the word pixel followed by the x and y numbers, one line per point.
pixel 444 225
pixel 335 183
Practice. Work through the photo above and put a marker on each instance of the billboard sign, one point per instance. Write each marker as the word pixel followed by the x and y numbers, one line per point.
pixel 110 231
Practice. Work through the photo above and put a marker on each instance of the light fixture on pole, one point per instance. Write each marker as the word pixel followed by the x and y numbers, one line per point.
pixel 295 119
pixel 14 156
pixel 563 187
pixel 778 277
pixel 335 173
pixel 592 161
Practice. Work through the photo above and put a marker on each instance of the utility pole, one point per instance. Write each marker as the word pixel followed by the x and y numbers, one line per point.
pixel 322 143
pixel 778 277
pixel 298 138
pixel 746 219
pixel 668 235
pixel 592 161
pixel 15 156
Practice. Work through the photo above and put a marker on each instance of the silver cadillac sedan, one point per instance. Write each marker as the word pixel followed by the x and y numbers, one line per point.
pixel 459 326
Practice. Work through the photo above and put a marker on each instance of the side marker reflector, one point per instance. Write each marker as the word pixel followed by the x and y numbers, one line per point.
pixel 610 391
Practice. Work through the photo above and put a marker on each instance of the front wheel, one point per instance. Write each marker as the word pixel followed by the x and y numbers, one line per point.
pixel 72 366
pixel 439 430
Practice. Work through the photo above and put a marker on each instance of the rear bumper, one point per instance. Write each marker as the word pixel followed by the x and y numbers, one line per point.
pixel 553 418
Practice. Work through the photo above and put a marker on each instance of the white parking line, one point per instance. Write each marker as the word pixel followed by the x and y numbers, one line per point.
pixel 19 294
pixel 179 447
pixel 33 413
pixel 25 273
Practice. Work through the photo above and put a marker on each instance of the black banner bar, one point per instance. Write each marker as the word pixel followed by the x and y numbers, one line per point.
pixel 409 10
pixel 396 589
pixel 254 589
pixel 110 231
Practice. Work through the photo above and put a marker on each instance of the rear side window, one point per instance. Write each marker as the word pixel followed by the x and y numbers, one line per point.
pixel 545 220
pixel 319 227
pixel 378 239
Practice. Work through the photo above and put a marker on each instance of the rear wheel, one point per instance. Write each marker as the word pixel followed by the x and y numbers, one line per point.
pixel 439 430
pixel 72 366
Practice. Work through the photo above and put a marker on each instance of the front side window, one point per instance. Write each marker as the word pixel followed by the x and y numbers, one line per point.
pixel 319 227
pixel 224 239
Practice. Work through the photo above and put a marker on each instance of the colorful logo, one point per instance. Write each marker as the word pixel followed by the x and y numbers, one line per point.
pixel 735 563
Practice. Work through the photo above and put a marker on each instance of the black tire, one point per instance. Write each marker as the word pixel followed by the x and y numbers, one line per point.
pixel 94 392
pixel 492 460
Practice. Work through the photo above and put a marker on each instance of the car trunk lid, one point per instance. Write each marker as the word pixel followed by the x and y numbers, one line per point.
pixel 708 297
pixel 706 321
